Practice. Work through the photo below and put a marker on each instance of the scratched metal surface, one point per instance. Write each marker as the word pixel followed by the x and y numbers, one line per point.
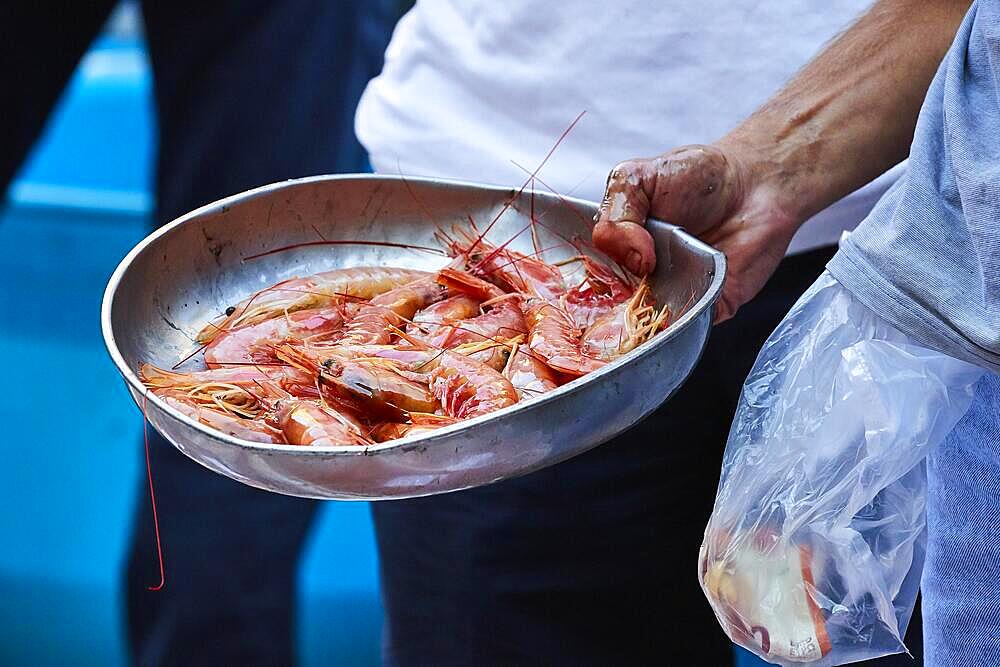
pixel 191 270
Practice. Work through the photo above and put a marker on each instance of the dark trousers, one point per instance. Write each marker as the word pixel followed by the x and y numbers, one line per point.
pixel 248 92
pixel 593 561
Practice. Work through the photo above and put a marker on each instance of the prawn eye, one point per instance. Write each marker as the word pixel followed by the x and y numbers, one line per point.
pixel 327 364
pixel 230 310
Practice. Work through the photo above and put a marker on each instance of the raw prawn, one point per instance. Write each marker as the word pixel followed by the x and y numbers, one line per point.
pixel 529 374
pixel 464 386
pixel 321 289
pixel 511 270
pixel 554 336
pixel 420 424
pixel 375 321
pixel 307 423
pixel 236 390
pixel 600 290
pixel 253 344
pixel 367 386
pixel 467 387
pixel 433 318
pixel 624 327
pixel 245 429
pixel 503 321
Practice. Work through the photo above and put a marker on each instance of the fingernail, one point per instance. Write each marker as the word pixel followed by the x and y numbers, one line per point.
pixel 634 262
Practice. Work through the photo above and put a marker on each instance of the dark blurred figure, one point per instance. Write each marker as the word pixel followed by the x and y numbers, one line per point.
pixel 248 92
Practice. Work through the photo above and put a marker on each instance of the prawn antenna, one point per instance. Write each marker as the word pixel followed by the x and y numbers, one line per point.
pixel 152 498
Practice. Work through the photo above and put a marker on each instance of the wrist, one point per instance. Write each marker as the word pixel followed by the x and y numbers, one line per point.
pixel 772 175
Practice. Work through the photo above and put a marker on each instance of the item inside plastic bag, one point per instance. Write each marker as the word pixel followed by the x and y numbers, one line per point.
pixel 814 549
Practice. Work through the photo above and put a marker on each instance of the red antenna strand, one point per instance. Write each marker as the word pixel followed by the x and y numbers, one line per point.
pixel 152 502
pixel 530 177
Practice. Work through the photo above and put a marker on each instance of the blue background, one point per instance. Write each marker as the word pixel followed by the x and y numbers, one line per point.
pixel 71 446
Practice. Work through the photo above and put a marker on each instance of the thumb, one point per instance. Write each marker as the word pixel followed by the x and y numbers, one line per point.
pixel 620 224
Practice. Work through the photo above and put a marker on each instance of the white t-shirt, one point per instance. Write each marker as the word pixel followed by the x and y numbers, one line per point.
pixel 471 86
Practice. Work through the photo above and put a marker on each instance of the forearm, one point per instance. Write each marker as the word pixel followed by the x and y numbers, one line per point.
pixel 850 113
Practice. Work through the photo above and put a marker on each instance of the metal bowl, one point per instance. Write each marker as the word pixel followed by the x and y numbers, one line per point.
pixel 191 270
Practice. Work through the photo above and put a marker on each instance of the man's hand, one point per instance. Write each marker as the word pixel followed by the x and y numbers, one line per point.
pixel 727 201
pixel 843 120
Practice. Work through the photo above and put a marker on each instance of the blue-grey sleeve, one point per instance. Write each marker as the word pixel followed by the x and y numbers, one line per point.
pixel 927 258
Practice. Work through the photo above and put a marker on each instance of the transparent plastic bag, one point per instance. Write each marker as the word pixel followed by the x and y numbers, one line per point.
pixel 814 549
